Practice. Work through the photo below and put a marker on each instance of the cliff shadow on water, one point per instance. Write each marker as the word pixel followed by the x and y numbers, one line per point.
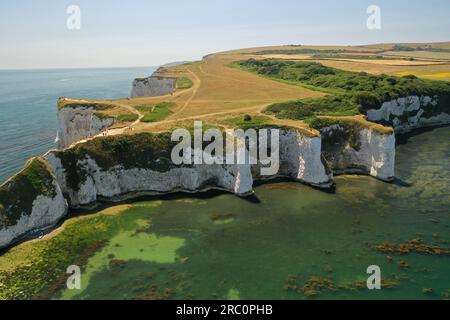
pixel 403 138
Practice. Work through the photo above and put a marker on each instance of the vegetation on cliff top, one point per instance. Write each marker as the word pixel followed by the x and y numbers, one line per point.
pixel 351 92
pixel 247 122
pixel 346 132
pixel 257 122
pixel 127 117
pixel 143 150
pixel 357 123
pixel 157 112
pixel 339 105
pixel 184 83
pixel 102 109
pixel 97 105
pixel 18 193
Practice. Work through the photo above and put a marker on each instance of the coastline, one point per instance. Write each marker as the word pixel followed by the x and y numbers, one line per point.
pixel 88 168
pixel 287 221
pixel 103 203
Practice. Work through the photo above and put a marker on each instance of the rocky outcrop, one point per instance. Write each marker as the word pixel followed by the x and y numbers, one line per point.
pixel 79 122
pixel 157 84
pixel 31 200
pixel 351 148
pixel 411 112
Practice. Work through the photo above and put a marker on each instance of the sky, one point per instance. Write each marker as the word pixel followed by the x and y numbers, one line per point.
pixel 119 33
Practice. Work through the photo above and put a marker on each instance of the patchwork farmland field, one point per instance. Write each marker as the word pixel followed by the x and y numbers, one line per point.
pixel 218 92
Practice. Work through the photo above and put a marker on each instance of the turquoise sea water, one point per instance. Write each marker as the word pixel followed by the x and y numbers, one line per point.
pixel 28 106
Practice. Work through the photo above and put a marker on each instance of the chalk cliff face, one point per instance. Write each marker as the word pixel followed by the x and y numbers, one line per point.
pixel 408 113
pixel 31 200
pixel 300 159
pixel 121 183
pixel 155 85
pixel 78 123
pixel 351 149
pixel 115 168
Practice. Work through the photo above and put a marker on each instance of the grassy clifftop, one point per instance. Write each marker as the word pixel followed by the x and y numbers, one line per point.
pixel 97 105
pixel 143 150
pixel 102 109
pixel 18 193
pixel 354 124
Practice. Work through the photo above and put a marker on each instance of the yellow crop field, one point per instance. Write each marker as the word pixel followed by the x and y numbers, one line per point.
pixel 432 74
pixel 393 62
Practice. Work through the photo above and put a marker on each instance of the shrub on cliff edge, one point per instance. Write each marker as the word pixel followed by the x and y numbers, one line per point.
pixel 18 193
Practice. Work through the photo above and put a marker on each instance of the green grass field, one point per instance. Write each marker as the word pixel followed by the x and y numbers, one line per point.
pixel 128 117
pixel 351 92
pixel 184 83
pixel 247 121
pixel 157 112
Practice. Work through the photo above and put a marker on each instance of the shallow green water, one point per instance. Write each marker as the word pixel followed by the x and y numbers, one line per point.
pixel 174 248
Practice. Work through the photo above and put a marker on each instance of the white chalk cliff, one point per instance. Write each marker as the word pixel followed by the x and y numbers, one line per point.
pixel 120 183
pixel 46 212
pixel 78 123
pixel 370 152
pixel 29 209
pixel 408 113
pixel 300 159
pixel 156 85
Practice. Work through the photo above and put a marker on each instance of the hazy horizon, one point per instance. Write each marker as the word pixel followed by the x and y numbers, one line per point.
pixel 78 68
pixel 137 33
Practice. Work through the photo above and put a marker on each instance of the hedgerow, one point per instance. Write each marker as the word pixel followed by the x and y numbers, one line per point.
pixel 350 92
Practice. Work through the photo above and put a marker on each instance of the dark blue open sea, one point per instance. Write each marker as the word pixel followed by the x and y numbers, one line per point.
pixel 28 106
